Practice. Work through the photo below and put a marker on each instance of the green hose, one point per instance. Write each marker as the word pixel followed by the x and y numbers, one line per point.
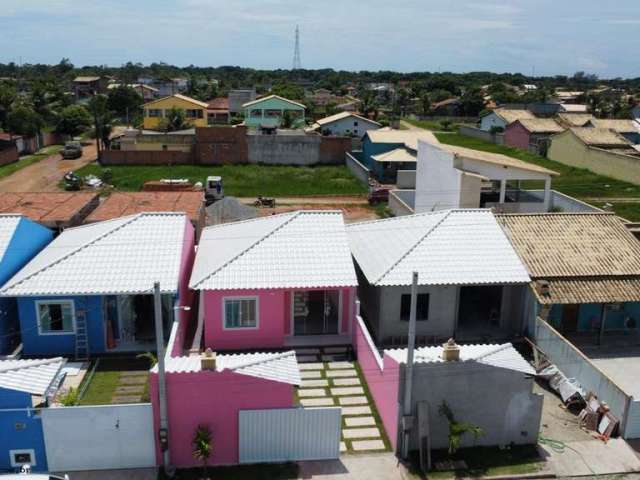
pixel 555 445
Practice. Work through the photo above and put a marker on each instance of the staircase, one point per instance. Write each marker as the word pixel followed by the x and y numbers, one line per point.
pixel 82 338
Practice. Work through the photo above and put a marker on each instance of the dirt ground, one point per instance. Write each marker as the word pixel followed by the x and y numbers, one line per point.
pixel 352 214
pixel 44 176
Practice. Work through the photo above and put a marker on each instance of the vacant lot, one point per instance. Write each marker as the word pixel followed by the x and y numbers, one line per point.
pixel 243 180
pixel 576 182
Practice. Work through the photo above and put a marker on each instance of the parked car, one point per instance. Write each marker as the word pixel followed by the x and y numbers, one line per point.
pixel 71 150
pixel 213 189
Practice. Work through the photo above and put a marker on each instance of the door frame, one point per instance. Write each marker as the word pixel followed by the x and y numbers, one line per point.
pixel 292 323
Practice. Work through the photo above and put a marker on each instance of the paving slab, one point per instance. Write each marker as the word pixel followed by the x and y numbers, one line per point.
pixel 360 432
pixel 312 392
pixel 340 365
pixel 125 399
pixel 323 382
pixel 347 391
pixel 311 366
pixel 343 447
pixel 361 445
pixel 307 358
pixel 359 421
pixel 310 374
pixel 346 382
pixel 133 380
pixel 360 400
pixel 317 402
pixel 359 410
pixel 340 373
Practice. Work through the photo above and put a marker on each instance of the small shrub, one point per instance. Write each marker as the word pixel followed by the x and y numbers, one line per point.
pixel 106 176
pixel 70 398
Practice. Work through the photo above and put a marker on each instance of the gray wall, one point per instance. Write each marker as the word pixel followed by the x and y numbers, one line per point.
pixel 361 172
pixel 481 135
pixel 498 400
pixel 294 149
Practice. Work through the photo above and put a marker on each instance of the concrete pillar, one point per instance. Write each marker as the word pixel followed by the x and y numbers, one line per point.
pixel 503 190
pixel 547 194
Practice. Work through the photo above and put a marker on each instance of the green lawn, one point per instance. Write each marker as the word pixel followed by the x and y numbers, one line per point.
pixel 27 160
pixel 268 471
pixel 243 180
pixel 575 182
pixel 435 125
pixel 103 385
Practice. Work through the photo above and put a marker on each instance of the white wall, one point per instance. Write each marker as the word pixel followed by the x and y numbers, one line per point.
pixel 491 120
pixel 346 126
pixel 438 183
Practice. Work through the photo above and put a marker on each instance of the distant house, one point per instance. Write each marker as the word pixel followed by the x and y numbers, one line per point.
pixel 345 124
pixel 157 110
pixel 276 281
pixel 270 111
pixel 238 97
pixel 575 119
pixel 568 97
pixel 446 108
pixel 85 87
pixel 218 111
pixel 601 150
pixel 573 108
pixel 629 129
pixel 147 92
pixel 469 276
pixel 501 117
pixel 90 290
pixel 531 135
pixel 20 240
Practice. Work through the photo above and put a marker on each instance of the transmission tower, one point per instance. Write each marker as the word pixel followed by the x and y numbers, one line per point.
pixel 297 64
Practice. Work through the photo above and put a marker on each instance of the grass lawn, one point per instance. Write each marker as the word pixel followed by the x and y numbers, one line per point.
pixel 106 379
pixel 435 125
pixel 25 161
pixel 576 182
pixel 267 471
pixel 490 461
pixel 243 180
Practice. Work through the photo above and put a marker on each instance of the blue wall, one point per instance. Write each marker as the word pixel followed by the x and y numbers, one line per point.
pixel 370 149
pixel 28 239
pixel 589 316
pixel 20 429
pixel 61 344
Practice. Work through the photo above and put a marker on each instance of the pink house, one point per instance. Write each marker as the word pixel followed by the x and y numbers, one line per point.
pixel 215 396
pixel 274 282
pixel 530 134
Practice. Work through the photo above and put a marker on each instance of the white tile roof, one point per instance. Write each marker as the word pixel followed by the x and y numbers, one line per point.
pixel 279 367
pixel 408 138
pixel 303 249
pixel 448 247
pixel 8 225
pixel 342 115
pixel 30 376
pixel 501 356
pixel 124 255
pixel 397 155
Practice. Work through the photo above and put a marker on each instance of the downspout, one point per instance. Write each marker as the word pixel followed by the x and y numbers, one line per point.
pixel 407 419
pixel 163 432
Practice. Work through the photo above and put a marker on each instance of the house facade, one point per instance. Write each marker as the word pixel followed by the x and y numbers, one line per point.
pixel 20 240
pixel 470 279
pixel 276 281
pixel 90 291
pixel 345 124
pixel 155 111
pixel 531 135
pixel 501 117
pixel 270 112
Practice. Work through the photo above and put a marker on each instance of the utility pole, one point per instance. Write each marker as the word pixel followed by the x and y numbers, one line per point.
pixel 163 433
pixel 407 417
pixel 297 64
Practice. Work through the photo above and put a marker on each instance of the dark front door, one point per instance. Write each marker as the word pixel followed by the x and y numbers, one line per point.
pixel 570 318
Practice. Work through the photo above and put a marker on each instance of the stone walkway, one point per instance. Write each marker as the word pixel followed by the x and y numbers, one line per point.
pixel 329 378
pixel 131 386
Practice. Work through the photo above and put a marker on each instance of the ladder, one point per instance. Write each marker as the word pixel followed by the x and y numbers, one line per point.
pixel 82 338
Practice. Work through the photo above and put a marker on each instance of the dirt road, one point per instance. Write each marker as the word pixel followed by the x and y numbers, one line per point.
pixel 314 200
pixel 44 175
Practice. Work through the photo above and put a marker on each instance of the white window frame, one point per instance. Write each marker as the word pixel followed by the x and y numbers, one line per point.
pixel 30 451
pixel 56 302
pixel 224 312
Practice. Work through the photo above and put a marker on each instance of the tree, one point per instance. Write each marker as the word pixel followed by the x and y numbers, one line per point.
pixel 425 103
pixel 202 447
pixel 124 102
pixel 73 120
pixel 288 90
pixel 99 108
pixel 439 95
pixel 175 119
pixel 8 95
pixel 472 102
pixel 24 120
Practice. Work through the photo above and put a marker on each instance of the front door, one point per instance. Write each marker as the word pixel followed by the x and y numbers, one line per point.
pixel 570 318
pixel 316 312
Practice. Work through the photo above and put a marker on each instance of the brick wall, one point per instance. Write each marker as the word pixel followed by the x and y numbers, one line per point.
pixel 221 145
pixel 8 154
pixel 120 157
pixel 333 149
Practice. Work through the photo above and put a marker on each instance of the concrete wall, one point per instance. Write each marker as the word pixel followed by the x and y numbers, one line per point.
pixel 438 183
pixel 498 400
pixel 361 172
pixel 21 429
pixel 146 157
pixel 401 202
pixel 8 154
pixel 474 132
pixel 406 179
pixel 566 148
pixel 221 145
pixel 282 149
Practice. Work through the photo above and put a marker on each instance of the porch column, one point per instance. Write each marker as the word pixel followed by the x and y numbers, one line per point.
pixel 547 194
pixel 503 190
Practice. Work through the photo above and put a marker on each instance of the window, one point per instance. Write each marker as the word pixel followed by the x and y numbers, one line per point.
pixel 422 307
pixel 154 112
pixel 355 123
pixel 55 316
pixel 22 457
pixel 240 312
pixel 194 113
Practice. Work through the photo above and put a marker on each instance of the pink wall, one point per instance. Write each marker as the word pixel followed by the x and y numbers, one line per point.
pixel 185 294
pixel 213 399
pixel 383 383
pixel 515 135
pixel 274 322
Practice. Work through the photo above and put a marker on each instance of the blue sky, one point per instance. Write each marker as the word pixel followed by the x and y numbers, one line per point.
pixel 550 36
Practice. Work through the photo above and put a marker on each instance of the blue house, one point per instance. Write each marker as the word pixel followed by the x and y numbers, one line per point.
pixel 90 291
pixel 385 151
pixel 25 386
pixel 20 240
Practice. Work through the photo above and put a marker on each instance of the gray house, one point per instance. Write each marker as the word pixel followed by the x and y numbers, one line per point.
pixel 471 281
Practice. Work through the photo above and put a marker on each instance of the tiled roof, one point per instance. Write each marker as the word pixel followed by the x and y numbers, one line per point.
pixel 619 126
pixel 408 138
pixel 340 116
pixel 589 290
pixel 575 119
pixel 509 115
pixel 541 125
pixel 449 247
pixel 59 209
pixel 179 97
pixel 600 136
pixel 219 103
pixel 269 97
pixel 500 356
pixel 302 249
pixel 122 256
pixel 8 225
pixel 397 155
pixel 29 376
pixel 279 367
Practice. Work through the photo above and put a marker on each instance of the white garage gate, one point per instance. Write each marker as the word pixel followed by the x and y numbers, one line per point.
pixel 99 437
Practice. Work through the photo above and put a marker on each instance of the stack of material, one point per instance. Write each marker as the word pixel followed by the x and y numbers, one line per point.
pixel 568 388
pixel 596 417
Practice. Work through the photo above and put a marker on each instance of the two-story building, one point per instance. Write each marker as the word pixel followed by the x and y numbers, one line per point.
pixel 156 111
pixel 270 112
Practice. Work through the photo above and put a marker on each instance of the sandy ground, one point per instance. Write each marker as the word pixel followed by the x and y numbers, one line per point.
pixel 352 214
pixel 44 176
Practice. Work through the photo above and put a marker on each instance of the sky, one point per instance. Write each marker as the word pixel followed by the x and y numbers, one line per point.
pixel 544 37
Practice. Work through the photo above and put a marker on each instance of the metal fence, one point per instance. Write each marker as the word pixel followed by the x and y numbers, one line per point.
pixel 289 434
